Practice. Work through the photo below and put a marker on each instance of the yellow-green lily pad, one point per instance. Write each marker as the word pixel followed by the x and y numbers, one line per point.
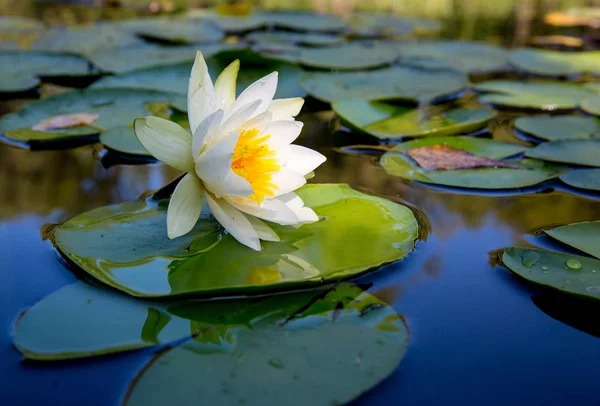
pixel 576 152
pixel 553 128
pixel 126 247
pixel 591 104
pixel 588 179
pixel 555 63
pixel 583 236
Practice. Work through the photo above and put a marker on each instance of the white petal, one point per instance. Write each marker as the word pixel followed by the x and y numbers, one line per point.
pixel 201 93
pixel 214 163
pixel 287 181
pixel 304 214
pixel 263 89
pixel 205 131
pixel 263 231
pixel 232 186
pixel 286 109
pixel 225 86
pixel 282 132
pixel 272 210
pixel 184 206
pixel 165 141
pixel 234 222
pixel 240 117
pixel 304 160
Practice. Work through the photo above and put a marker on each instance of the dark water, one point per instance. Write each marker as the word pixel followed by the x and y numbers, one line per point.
pixel 477 337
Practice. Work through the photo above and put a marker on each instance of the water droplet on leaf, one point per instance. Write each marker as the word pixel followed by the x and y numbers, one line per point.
pixel 573 264
pixel 276 363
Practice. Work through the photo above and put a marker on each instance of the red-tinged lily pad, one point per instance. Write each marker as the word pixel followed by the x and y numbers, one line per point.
pixel 441 156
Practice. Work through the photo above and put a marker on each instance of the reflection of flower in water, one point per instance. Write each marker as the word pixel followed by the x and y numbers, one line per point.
pixel 289 267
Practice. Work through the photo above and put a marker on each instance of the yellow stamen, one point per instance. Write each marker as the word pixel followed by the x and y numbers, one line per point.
pixel 255 161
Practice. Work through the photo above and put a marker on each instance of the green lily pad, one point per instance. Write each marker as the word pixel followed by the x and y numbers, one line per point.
pixel 556 63
pixel 588 179
pixel 576 152
pixel 174 78
pixel 349 56
pixel 564 273
pixel 126 246
pixel 559 127
pixel 305 21
pixel 583 236
pixel 547 96
pixel 236 24
pixel 387 121
pixel 142 56
pixel 289 362
pixel 18 33
pixel 116 107
pixel 397 83
pixel 21 71
pixel 176 30
pixel 123 139
pixel 383 25
pixel 283 37
pixel 591 105
pixel 466 56
pixel 532 172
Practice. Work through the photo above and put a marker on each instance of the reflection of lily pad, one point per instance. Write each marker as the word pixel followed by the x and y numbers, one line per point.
pixel 532 95
pixel 564 273
pixel 397 83
pixel 591 105
pixel 555 63
pixel 176 30
pixel 126 246
pixel 123 139
pixel 533 172
pixel 20 71
pixel 329 353
pixel 116 107
pixel 577 152
pixel 588 179
pixel 381 25
pixel 583 236
pixel 387 121
pixel 559 127
pixel 283 37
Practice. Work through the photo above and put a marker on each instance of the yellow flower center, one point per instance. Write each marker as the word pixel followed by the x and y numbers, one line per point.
pixel 254 161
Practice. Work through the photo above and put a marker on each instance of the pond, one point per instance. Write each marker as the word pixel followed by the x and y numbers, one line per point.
pixel 477 333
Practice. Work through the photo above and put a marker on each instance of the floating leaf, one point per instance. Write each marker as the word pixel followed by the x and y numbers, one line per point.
pixel 397 83
pixel 583 178
pixel 383 25
pixel 350 56
pixel 283 361
pixel 123 139
pixel 532 95
pixel 583 236
pixel 591 105
pixel 556 63
pixel 283 37
pixel 532 172
pixel 176 30
pixel 387 121
pixel 236 24
pixel 305 21
pixel 559 127
pixel 66 121
pixel 20 71
pixel 441 156
pixel 126 246
pixel 571 274
pixel 577 152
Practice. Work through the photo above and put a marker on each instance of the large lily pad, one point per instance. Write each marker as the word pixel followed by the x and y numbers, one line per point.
pixel 116 107
pixel 397 83
pixel 21 71
pixel 349 56
pixel 126 246
pixel 123 140
pixel 559 127
pixel 466 56
pixel 176 30
pixel 305 21
pixel 571 274
pixel 547 96
pixel 284 37
pixel 328 353
pixel 387 121
pixel 531 173
pixel 588 179
pixel 583 236
pixel 591 104
pixel 555 63
pixel 383 25
pixel 577 152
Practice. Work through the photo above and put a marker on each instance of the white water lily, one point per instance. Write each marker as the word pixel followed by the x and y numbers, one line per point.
pixel 238 157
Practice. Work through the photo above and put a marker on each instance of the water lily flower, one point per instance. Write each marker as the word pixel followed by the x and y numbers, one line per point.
pixel 238 157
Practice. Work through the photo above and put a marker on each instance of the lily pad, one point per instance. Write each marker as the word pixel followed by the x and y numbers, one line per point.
pixel 329 353
pixel 571 274
pixel 126 246
pixel 397 83
pixel 18 33
pixel 123 139
pixel 305 21
pixel 531 173
pixel 116 107
pixel 583 236
pixel 387 121
pixel 349 56
pixel 591 105
pixel 236 24
pixel 548 96
pixel 466 56
pixel 21 71
pixel 283 37
pixel 384 25
pixel 588 179
pixel 559 127
pixel 556 63
pixel 576 152
pixel 176 30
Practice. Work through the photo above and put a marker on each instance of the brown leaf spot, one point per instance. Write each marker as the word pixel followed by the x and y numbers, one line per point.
pixel 66 121
pixel 441 156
